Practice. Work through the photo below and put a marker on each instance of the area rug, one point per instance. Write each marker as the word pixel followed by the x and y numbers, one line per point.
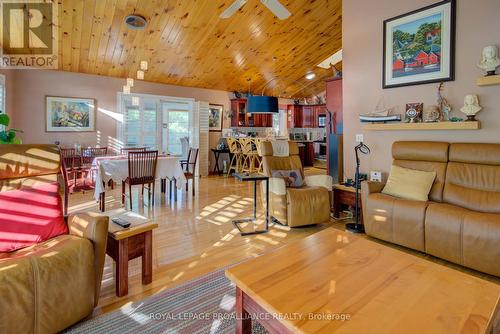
pixel 203 305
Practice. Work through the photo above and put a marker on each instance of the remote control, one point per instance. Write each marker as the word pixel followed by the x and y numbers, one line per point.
pixel 121 222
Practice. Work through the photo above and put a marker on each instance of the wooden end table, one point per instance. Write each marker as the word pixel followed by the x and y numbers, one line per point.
pixel 130 243
pixel 344 195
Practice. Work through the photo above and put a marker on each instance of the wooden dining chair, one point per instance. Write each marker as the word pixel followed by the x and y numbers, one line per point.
pixel 189 167
pixel 141 171
pixel 72 163
pixel 250 156
pixel 126 150
pixel 88 156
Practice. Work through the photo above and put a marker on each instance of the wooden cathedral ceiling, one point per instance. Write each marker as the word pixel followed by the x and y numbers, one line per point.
pixel 187 44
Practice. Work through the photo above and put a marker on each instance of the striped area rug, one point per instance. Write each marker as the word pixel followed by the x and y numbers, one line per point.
pixel 203 305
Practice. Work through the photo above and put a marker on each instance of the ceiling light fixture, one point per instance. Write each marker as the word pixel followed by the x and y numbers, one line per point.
pixel 126 89
pixel 310 75
pixel 332 60
pixel 136 22
pixel 144 65
pixel 130 82
pixel 140 75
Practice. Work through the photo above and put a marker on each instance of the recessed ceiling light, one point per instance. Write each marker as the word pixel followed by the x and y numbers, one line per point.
pixel 310 75
pixel 332 60
pixel 136 22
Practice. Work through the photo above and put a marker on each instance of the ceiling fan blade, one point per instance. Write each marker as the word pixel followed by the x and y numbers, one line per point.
pixel 232 9
pixel 277 8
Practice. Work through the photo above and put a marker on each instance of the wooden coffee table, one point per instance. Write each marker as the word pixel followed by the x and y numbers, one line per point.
pixel 130 243
pixel 337 282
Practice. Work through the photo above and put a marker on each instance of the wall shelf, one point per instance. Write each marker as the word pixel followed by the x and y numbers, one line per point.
pixel 489 81
pixel 423 126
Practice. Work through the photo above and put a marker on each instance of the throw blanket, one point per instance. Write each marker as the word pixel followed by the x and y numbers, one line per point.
pixel 280 148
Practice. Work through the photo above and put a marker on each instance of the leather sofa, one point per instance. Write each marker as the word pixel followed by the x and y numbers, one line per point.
pixel 461 220
pixel 47 287
pixel 307 205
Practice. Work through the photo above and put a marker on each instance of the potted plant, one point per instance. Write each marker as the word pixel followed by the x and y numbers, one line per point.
pixel 8 136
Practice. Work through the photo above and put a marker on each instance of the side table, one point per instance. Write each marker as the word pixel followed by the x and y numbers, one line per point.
pixel 130 243
pixel 344 195
pixel 253 177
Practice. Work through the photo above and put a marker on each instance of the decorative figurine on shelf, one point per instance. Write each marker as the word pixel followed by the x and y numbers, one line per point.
pixel 490 60
pixel 444 106
pixel 471 107
pixel 414 112
pixel 431 114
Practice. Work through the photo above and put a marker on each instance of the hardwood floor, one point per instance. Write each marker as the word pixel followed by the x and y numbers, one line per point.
pixel 195 235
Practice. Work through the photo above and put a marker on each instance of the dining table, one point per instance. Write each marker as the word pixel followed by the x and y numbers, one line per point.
pixel 115 168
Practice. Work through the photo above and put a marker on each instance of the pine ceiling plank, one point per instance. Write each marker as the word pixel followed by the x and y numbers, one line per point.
pixel 76 34
pixel 66 19
pixel 103 38
pixel 114 35
pixel 95 34
pixel 88 14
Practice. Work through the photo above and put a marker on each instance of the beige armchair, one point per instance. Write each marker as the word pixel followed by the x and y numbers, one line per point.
pixel 47 287
pixel 307 205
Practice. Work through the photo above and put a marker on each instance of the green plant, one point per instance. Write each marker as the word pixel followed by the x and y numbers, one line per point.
pixel 8 136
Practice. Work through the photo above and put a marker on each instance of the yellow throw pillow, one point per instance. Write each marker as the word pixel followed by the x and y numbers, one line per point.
pixel 409 183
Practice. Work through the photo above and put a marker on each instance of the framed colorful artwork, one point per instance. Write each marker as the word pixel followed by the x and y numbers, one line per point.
pixel 70 114
pixel 419 47
pixel 215 117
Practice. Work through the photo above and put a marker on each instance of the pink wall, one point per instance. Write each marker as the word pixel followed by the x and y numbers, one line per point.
pixel 29 88
pixel 478 25
pixel 9 82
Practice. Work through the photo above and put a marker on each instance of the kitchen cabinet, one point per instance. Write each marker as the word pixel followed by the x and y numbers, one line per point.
pixel 294 116
pixel 301 116
pixel 307 116
pixel 240 118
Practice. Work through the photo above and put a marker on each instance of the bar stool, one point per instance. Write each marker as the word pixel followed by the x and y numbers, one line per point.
pixel 236 155
pixel 249 151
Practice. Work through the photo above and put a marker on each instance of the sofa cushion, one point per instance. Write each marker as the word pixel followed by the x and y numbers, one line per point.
pixel 395 220
pixel 32 281
pixel 30 215
pixel 409 183
pixel 463 236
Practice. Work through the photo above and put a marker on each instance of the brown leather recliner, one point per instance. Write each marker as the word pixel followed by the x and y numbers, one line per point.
pixel 307 205
pixel 51 285
pixel 461 221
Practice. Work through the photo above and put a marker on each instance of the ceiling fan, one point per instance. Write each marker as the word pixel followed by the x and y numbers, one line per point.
pixel 273 5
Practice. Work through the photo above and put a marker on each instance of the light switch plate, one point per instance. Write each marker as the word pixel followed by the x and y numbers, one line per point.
pixel 359 138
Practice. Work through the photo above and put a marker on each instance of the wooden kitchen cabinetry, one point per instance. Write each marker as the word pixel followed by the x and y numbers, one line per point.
pixel 301 116
pixel 240 118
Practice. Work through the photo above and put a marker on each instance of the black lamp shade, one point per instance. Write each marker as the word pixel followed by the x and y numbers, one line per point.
pixel 262 104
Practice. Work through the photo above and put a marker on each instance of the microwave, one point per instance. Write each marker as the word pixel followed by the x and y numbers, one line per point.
pixel 321 121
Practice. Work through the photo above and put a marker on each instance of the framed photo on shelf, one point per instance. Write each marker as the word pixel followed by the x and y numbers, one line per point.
pixel 70 114
pixel 419 47
pixel 215 117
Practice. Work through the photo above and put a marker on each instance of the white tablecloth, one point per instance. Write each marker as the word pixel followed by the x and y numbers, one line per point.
pixel 116 169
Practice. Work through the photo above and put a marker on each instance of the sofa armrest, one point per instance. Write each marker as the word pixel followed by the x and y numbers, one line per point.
pixel 370 187
pixel 325 181
pixel 277 186
pixel 95 228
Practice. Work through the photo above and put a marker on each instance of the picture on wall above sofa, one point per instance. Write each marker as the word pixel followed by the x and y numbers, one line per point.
pixel 419 46
pixel 70 114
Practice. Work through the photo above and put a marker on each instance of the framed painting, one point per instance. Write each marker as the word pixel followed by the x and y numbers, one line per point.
pixel 70 114
pixel 215 117
pixel 419 47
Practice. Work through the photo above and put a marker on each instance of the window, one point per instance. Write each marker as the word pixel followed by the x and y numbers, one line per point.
pixel 140 123
pixel 158 122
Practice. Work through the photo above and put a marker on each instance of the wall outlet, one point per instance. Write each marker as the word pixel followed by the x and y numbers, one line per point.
pixel 359 138
pixel 375 176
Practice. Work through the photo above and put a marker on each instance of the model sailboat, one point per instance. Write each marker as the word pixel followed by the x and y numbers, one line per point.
pixel 381 114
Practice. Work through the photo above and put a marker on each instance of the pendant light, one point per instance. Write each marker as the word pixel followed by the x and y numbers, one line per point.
pixel 126 89
pixel 130 82
pixel 140 75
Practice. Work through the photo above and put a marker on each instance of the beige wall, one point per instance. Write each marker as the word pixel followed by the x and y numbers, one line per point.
pixel 478 25
pixel 28 89
pixel 9 82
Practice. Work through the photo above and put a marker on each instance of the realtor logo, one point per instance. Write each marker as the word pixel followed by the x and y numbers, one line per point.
pixel 28 34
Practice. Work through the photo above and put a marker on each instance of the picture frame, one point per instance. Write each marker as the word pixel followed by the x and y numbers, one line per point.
pixel 70 114
pixel 419 46
pixel 215 117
